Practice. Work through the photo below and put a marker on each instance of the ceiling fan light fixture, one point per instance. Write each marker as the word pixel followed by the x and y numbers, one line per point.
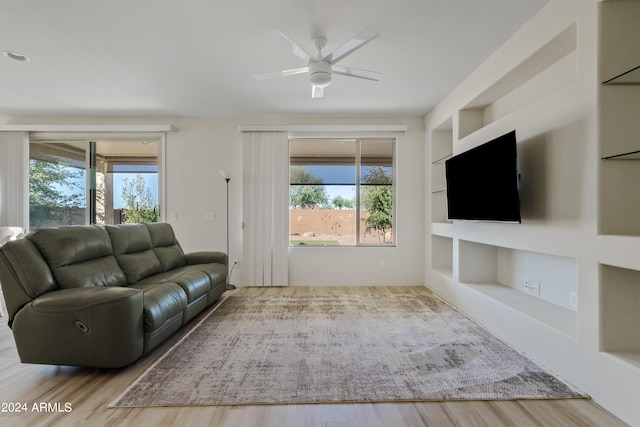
pixel 320 73
pixel 321 67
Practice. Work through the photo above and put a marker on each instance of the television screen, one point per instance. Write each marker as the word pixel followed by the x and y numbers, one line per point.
pixel 482 183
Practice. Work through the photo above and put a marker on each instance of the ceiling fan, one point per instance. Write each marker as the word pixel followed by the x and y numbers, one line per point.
pixel 320 68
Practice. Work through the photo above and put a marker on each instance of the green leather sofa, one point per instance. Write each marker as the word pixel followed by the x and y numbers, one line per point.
pixel 103 296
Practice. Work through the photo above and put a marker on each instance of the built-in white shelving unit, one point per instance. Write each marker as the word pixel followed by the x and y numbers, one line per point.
pixel 493 266
pixel 618 243
pixel 563 286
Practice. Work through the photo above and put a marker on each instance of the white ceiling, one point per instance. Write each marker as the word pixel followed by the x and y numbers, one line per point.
pixel 197 57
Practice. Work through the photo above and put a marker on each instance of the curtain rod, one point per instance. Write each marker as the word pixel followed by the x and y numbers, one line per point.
pixel 323 128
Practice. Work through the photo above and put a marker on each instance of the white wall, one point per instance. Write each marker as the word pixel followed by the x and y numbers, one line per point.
pixel 200 147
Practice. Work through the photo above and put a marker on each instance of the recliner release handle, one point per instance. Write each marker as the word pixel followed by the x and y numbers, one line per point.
pixel 84 328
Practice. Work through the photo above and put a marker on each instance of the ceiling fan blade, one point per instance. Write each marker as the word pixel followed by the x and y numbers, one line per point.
pixel 317 91
pixel 282 73
pixel 290 44
pixel 356 72
pixel 349 47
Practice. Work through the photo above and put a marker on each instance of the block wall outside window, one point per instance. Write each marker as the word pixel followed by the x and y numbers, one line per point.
pixel 341 192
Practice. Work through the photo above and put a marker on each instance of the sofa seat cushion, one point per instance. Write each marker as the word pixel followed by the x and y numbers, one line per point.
pixel 162 303
pixel 216 272
pixel 194 282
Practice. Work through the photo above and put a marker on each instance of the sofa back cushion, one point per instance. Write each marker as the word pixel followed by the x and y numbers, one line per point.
pixel 79 256
pixel 166 246
pixel 133 250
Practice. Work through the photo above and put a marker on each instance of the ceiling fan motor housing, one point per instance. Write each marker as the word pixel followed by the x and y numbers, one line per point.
pixel 320 73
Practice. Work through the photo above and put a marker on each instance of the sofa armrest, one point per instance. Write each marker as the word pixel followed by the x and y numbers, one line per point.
pixel 94 327
pixel 206 257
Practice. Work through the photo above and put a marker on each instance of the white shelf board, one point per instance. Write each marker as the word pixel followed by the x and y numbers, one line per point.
pixel 558 318
pixel 619 251
pixel 550 240
pixel 444 229
pixel 632 359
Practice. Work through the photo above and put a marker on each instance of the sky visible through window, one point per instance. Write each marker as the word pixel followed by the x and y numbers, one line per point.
pixel 150 179
pixel 332 176
pixel 122 172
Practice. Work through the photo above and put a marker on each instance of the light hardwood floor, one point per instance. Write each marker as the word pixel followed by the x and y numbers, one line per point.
pixel 87 392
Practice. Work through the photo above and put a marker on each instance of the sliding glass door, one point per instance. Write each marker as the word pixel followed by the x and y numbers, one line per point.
pixel 57 184
pixel 92 182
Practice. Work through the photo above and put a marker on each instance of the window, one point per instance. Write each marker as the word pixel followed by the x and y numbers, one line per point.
pixel 92 182
pixel 57 184
pixel 341 192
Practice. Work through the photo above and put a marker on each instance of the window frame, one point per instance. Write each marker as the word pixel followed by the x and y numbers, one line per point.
pixel 358 189
pixel 158 137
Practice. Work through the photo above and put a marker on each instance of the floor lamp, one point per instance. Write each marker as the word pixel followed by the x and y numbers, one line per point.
pixel 227 177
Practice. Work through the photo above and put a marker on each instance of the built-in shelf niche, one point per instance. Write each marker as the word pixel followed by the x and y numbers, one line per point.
pixel 620 151
pixel 620 311
pixel 478 263
pixel 442 255
pixel 554 65
pixel 441 150
pixel 499 274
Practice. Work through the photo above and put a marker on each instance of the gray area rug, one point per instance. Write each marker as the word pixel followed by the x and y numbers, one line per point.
pixel 338 348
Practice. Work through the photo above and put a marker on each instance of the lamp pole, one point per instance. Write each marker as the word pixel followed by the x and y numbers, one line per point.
pixel 227 177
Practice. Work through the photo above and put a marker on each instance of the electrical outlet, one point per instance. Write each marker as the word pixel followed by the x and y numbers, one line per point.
pixel 534 288
pixel 236 263
pixel 526 284
pixel 381 263
pixel 210 216
pixel 573 299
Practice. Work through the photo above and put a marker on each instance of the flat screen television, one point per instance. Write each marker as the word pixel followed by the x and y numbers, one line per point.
pixel 482 183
